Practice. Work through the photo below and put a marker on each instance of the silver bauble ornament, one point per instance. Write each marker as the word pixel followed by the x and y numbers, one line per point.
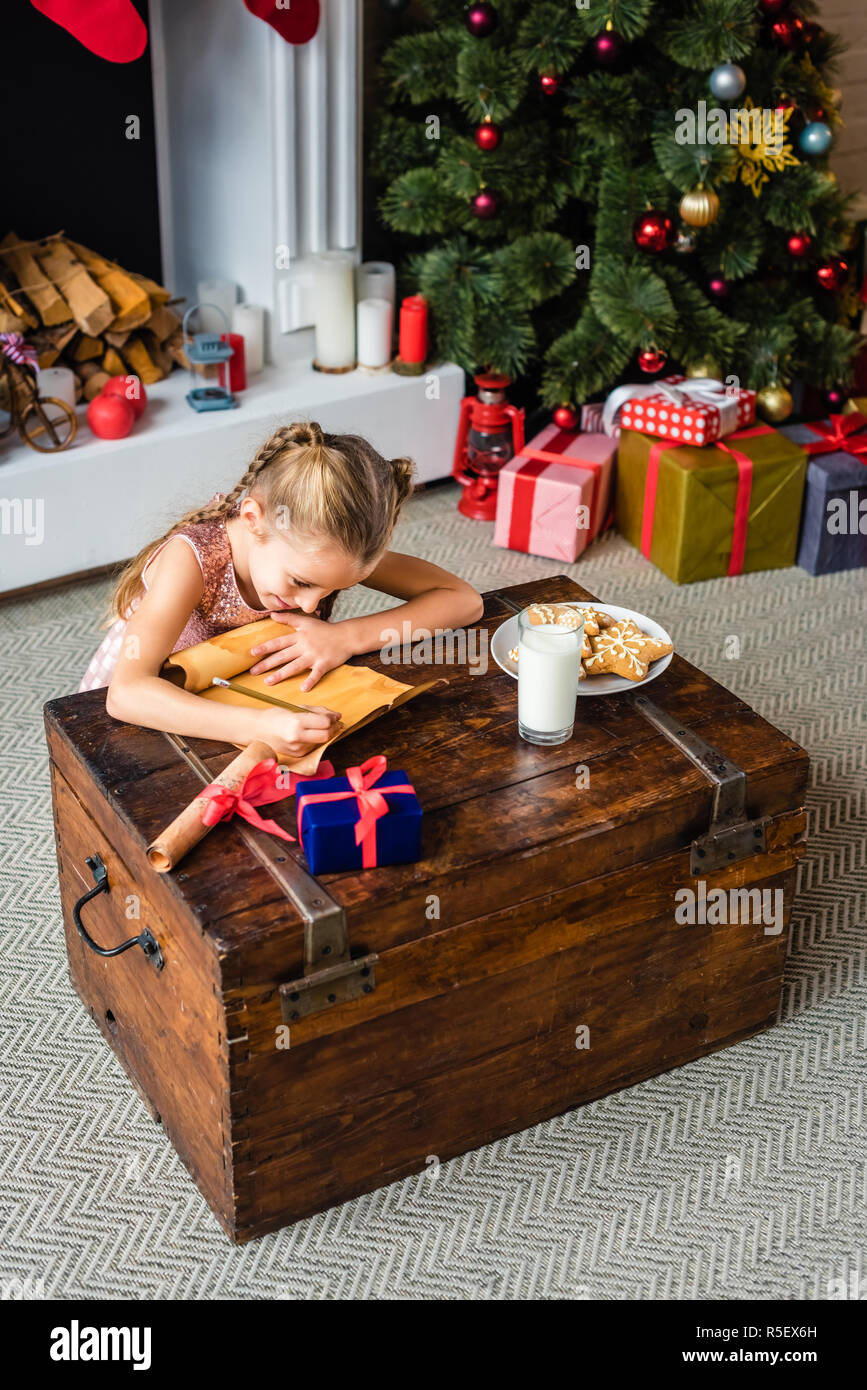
pixel 727 81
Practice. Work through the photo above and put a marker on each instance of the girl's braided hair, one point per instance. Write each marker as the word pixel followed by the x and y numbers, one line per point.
pixel 333 485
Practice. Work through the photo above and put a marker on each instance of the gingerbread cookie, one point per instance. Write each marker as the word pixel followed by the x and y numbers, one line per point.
pixel 618 653
pixel 555 614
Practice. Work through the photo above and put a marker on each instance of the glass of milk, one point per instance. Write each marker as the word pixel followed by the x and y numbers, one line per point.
pixel 549 658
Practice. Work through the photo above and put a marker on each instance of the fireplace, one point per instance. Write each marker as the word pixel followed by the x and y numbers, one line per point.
pixel 254 166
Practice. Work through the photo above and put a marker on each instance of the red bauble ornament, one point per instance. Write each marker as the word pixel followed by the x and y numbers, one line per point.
pixel 787 31
pixel 487 135
pixel 565 418
pixel 654 231
pixel 129 388
pixel 798 245
pixel 481 19
pixel 831 273
pixel 718 286
pixel 835 399
pixel 485 203
pixel 772 7
pixel 651 360
pixel 608 48
pixel 549 82
pixel 110 416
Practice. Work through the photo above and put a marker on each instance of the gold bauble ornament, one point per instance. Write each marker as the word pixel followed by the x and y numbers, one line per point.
pixel 704 367
pixel 700 207
pixel 774 404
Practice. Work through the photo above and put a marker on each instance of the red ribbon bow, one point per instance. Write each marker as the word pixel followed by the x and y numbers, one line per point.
pixel 371 803
pixel 264 783
pixel 835 437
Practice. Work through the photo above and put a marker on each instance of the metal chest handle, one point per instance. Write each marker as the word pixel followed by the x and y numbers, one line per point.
pixel 332 975
pixel 730 836
pixel 146 939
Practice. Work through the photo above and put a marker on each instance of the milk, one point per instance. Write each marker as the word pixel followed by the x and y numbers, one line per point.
pixel 549 657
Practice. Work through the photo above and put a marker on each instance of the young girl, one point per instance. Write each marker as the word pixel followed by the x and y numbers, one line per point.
pixel 313 514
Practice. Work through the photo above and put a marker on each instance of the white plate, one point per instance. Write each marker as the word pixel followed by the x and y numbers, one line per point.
pixel 506 636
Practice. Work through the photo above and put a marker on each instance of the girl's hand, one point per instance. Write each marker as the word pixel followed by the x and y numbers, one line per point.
pixel 293 735
pixel 314 646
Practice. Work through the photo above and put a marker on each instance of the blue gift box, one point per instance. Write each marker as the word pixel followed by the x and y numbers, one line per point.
pixel 327 828
pixel 834 519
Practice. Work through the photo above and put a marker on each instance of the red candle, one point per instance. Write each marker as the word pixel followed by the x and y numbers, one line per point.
pixel 412 346
pixel 237 363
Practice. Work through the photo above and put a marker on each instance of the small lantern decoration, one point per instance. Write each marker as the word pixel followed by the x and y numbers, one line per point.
pixel 208 350
pixel 490 432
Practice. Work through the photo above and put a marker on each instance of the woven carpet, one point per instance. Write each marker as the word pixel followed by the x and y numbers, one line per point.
pixel 742 1175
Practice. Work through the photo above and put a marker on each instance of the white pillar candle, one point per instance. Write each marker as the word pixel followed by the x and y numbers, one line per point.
pixel 58 382
pixel 249 321
pixel 375 324
pixel 375 280
pixel 334 309
pixel 223 294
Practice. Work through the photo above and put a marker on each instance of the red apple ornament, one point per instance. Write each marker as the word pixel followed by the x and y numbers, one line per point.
pixel 110 416
pixel 129 388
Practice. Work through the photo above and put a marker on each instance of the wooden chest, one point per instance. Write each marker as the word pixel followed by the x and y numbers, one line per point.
pixel 299 1055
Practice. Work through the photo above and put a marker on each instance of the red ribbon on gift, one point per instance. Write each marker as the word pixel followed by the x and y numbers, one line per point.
pixel 520 521
pixel 836 436
pixel 371 803
pixel 263 784
pixel 742 497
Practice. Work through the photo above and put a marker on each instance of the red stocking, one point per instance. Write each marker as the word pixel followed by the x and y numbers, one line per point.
pixel 112 29
pixel 296 23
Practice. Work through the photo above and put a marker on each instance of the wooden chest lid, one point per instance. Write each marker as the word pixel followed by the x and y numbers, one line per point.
pixel 504 821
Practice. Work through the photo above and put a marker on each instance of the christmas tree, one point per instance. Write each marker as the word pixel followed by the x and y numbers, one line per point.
pixel 584 187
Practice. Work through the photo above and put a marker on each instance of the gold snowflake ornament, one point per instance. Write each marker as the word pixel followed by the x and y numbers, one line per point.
pixel 759 137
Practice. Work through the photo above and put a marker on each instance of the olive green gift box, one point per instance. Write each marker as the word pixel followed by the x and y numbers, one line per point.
pixel 697 487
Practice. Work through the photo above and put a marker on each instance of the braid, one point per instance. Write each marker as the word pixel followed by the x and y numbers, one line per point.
pixel 333 485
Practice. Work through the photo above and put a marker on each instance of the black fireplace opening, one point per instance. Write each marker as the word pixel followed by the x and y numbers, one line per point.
pixel 70 164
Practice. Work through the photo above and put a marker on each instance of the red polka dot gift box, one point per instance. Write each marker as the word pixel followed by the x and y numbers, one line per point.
pixel 693 410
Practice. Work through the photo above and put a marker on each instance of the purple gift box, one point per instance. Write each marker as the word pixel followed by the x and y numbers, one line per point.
pixel 834 519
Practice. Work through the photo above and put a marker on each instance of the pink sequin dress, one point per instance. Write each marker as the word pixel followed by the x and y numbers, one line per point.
pixel 221 606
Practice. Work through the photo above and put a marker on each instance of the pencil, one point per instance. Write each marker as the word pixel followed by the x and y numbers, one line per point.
pixel 260 695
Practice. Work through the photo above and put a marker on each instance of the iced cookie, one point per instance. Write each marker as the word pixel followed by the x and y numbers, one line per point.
pixel 557 614
pixel 618 653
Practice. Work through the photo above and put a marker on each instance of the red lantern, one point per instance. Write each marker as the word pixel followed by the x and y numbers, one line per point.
pixel 490 432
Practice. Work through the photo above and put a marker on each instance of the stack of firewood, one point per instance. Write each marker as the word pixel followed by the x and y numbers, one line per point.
pixel 81 311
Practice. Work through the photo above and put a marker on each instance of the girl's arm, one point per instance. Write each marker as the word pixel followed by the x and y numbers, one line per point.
pixel 433 600
pixel 138 695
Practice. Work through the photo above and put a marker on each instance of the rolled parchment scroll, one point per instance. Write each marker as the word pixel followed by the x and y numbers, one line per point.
pixel 188 829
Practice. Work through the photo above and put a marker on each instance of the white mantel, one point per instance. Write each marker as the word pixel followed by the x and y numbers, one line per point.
pixel 102 500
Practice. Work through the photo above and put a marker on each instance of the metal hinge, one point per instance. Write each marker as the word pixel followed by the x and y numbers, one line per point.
pixel 332 975
pixel 730 835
